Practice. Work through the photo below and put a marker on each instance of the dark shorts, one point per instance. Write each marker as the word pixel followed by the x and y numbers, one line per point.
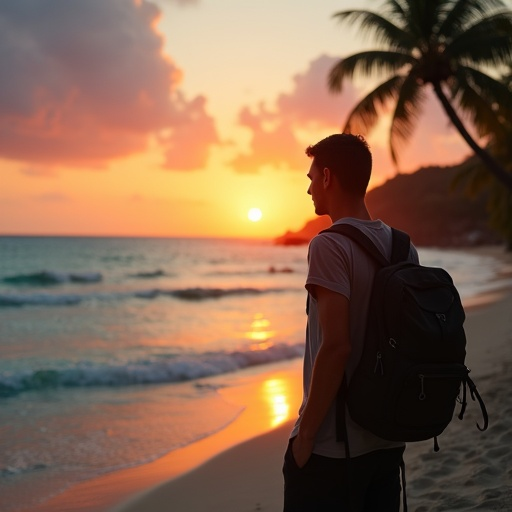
pixel 369 483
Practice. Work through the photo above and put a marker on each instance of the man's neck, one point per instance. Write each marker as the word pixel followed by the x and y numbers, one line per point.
pixel 356 210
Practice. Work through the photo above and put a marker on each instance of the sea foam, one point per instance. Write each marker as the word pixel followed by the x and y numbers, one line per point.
pixel 51 278
pixel 169 369
pixel 188 294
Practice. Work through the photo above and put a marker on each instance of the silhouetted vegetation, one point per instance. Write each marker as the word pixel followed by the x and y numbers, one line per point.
pixel 452 46
pixel 426 205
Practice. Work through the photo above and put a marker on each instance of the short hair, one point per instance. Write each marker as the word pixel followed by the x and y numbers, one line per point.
pixel 348 156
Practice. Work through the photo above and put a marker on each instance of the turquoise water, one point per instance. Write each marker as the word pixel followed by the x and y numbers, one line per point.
pixel 107 345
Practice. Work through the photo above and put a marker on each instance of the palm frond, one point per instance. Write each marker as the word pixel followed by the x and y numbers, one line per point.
pixel 366 113
pixel 408 108
pixel 495 93
pixel 487 42
pixel 473 106
pixel 412 18
pixel 475 179
pixel 507 77
pixel 423 16
pixel 380 28
pixel 395 8
pixel 366 64
pixel 465 12
pixel 427 15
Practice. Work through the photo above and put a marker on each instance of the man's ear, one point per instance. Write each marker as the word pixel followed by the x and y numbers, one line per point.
pixel 326 177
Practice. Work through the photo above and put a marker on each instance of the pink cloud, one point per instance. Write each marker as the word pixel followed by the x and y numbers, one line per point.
pixel 185 146
pixel 88 82
pixel 275 129
pixel 277 146
pixel 309 106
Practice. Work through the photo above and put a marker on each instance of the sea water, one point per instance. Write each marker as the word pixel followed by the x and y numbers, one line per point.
pixel 107 345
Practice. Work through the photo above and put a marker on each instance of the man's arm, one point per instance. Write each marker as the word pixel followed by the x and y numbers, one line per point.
pixel 333 313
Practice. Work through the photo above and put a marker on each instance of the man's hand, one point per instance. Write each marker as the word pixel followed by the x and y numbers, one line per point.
pixel 301 450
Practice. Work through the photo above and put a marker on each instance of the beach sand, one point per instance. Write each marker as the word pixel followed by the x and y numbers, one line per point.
pixel 472 471
pixel 237 470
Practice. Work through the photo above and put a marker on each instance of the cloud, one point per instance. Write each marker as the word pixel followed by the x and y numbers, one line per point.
pixel 278 129
pixel 276 145
pixel 275 130
pixel 87 82
pixel 185 145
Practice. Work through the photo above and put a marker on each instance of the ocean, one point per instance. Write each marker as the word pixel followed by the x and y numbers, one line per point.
pixel 108 345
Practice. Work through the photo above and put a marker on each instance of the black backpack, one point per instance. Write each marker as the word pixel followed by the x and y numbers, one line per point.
pixel 412 372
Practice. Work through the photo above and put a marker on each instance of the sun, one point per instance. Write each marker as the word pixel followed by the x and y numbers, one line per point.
pixel 254 214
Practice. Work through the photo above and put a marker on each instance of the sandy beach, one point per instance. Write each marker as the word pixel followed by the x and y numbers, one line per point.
pixel 472 471
pixel 238 470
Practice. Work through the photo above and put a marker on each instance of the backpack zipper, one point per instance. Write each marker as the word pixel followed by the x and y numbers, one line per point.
pixel 422 396
pixel 378 364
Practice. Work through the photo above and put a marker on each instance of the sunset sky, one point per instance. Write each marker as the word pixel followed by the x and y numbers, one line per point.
pixel 176 117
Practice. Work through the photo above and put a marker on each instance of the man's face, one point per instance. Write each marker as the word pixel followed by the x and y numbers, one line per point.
pixel 316 188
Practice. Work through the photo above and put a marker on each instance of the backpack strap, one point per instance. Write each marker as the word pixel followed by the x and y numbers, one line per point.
pixel 475 394
pixel 401 246
pixel 400 240
pixel 400 252
pixel 360 238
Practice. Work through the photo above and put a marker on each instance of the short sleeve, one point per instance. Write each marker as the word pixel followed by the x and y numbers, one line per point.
pixel 329 264
pixel 413 255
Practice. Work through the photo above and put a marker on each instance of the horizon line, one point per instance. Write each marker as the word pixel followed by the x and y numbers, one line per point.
pixel 68 235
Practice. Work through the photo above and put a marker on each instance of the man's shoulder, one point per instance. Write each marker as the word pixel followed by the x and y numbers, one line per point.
pixel 325 243
pixel 377 230
pixel 375 226
pixel 326 240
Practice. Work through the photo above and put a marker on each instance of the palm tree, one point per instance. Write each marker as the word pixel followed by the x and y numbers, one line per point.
pixel 475 180
pixel 448 44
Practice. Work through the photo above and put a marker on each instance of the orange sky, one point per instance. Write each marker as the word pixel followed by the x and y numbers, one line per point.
pixel 174 118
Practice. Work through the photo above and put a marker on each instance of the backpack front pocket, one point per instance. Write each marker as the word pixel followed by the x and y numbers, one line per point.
pixel 427 397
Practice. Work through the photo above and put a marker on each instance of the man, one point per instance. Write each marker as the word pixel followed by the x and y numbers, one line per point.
pixel 318 476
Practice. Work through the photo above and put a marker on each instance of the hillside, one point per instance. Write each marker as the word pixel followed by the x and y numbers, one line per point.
pixel 424 205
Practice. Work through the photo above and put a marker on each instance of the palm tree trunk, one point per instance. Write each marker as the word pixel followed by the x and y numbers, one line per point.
pixel 499 172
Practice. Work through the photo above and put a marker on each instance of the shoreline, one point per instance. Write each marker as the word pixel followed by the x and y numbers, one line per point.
pixel 250 454
pixel 259 390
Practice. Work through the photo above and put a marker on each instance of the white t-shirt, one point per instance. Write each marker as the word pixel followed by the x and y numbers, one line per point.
pixel 339 264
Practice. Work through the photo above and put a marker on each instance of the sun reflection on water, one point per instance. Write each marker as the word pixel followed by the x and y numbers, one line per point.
pixel 276 394
pixel 260 332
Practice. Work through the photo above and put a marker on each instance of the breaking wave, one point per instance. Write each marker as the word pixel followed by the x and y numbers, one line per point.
pixel 150 274
pixel 166 369
pixel 50 278
pixel 189 294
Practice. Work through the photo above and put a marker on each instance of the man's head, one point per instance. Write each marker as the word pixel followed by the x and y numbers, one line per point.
pixel 349 159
